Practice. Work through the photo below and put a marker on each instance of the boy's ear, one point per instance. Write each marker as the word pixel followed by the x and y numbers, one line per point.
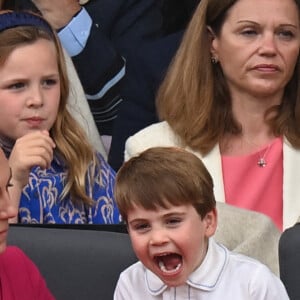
pixel 213 42
pixel 211 222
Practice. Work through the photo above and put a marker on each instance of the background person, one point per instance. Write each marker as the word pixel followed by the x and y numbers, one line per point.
pixel 239 113
pixel 20 278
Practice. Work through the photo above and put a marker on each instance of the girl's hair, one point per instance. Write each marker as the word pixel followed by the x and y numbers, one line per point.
pixel 194 97
pixel 164 176
pixel 71 143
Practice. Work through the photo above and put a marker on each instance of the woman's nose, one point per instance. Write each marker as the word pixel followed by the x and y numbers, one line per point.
pixel 268 45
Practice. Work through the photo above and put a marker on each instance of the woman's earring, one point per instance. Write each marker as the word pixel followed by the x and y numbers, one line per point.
pixel 214 60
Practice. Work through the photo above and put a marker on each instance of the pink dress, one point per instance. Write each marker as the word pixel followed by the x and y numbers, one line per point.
pixel 20 279
pixel 253 185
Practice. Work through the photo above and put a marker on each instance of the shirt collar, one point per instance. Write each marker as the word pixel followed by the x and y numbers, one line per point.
pixel 205 277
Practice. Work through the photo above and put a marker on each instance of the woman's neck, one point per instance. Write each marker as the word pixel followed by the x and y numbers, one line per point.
pixel 250 113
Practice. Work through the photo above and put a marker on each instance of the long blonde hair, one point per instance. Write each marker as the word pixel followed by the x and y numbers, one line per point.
pixel 70 139
pixel 194 97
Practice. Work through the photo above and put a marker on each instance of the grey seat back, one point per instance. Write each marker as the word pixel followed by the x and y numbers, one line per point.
pixel 77 264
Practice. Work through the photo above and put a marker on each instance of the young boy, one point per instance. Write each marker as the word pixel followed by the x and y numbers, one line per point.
pixel 166 197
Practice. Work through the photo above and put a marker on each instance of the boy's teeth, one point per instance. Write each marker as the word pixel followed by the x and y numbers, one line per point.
pixel 163 268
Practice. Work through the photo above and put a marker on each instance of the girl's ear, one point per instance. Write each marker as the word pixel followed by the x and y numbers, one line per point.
pixel 212 39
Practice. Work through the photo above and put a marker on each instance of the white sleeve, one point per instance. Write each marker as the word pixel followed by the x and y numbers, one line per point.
pixel 267 286
pixel 121 290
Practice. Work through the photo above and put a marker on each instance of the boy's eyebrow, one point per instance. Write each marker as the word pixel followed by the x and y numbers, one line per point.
pixel 168 215
pixel 136 220
pixel 174 213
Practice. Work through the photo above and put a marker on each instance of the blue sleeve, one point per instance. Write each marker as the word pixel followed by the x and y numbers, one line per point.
pixel 74 36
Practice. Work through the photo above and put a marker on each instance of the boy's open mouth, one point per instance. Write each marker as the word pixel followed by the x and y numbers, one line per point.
pixel 169 262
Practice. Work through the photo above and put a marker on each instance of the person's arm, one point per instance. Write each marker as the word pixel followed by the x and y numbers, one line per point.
pixel 118 28
pixel 33 149
pixel 58 12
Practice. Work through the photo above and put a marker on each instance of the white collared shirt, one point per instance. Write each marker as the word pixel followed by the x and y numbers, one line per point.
pixel 222 275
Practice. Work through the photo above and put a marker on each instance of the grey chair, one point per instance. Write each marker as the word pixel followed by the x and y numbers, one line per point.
pixel 289 260
pixel 77 263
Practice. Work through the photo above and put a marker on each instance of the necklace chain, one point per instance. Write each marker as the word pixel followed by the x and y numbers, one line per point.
pixel 262 158
pixel 261 162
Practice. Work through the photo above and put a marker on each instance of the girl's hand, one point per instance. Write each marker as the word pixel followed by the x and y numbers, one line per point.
pixel 33 149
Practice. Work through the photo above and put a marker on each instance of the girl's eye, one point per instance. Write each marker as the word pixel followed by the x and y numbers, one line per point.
pixel 16 86
pixel 49 82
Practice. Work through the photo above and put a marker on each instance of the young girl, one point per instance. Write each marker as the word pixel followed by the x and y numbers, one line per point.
pixel 57 177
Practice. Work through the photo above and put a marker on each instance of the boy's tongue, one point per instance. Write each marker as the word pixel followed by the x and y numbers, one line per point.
pixel 171 261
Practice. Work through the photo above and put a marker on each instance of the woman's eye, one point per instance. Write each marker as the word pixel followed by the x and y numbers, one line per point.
pixel 249 32
pixel 286 34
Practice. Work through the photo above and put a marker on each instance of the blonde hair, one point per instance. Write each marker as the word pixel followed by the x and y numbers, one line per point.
pixel 194 97
pixel 164 176
pixel 70 139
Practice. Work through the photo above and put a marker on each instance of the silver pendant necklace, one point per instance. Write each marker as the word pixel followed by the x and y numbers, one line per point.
pixel 262 162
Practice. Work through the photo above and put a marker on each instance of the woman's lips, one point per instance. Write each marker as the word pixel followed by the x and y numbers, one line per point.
pixel 268 68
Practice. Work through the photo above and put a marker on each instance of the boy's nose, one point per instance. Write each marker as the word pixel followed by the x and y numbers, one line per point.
pixel 158 237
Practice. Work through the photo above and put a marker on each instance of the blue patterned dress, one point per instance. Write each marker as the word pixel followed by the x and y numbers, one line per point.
pixel 41 200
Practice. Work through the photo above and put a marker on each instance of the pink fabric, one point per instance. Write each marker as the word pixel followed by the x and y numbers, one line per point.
pixel 252 187
pixel 20 278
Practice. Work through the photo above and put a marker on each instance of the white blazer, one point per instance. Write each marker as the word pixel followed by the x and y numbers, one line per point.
pixel 160 134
